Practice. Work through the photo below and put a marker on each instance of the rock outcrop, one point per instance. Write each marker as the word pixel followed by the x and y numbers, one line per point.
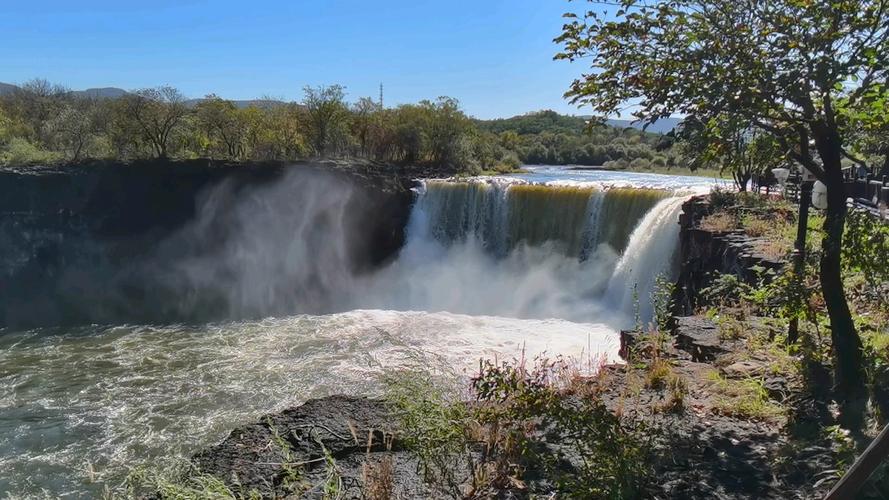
pixel 113 243
pixel 704 253
pixel 345 440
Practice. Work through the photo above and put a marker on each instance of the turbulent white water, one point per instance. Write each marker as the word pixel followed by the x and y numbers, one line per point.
pixel 104 399
pixel 490 269
pixel 529 251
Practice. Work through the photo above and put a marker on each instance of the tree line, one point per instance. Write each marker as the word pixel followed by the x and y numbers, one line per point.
pixel 43 122
pixel 546 137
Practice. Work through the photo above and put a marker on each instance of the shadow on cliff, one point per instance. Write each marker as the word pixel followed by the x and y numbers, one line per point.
pixel 189 242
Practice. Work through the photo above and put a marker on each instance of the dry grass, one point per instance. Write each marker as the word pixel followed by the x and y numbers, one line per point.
pixel 729 327
pixel 719 223
pixel 659 372
pixel 757 227
pixel 774 249
pixel 676 400
pixel 379 475
pixel 379 478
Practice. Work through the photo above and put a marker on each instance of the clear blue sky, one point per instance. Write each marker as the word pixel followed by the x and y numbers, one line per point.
pixel 495 56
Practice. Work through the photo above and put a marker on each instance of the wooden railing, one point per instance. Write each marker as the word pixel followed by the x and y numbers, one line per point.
pixel 851 483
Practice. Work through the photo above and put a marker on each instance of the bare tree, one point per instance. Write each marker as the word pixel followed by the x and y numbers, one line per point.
pixel 157 112
pixel 37 101
pixel 328 115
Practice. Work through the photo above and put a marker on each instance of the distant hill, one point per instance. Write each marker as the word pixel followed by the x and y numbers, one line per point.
pixel 115 93
pixel 100 93
pixel 258 103
pixel 7 88
pixel 662 126
pixel 93 93
pixel 536 123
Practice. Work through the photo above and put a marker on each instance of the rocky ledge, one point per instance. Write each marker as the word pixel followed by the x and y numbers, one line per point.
pixel 708 445
pixel 338 438
pixel 705 253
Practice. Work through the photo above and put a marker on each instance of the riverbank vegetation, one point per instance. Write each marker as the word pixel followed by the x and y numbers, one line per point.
pixel 548 138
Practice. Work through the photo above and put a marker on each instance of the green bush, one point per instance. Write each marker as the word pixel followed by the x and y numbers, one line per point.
pixel 523 424
pixel 865 247
pixel 21 152
pixel 722 198
pixel 525 410
pixel 434 424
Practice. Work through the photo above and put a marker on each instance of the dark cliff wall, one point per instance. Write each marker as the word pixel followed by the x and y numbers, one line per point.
pixel 171 242
pixel 703 254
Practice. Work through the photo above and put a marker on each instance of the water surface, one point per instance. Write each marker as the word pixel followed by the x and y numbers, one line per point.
pixel 489 270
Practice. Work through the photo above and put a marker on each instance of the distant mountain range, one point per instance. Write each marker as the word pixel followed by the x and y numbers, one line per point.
pixel 94 93
pixel 7 88
pixel 114 93
pixel 259 103
pixel 101 93
pixel 662 126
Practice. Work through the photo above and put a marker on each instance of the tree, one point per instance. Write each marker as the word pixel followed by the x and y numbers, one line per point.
pixel 73 130
pixel 797 69
pixel 409 121
pixel 730 144
pixel 328 116
pixel 284 132
pixel 220 121
pixel 5 126
pixel 365 114
pixel 35 103
pixel 444 128
pixel 156 113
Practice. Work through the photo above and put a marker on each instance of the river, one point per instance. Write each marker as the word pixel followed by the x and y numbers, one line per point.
pixel 551 261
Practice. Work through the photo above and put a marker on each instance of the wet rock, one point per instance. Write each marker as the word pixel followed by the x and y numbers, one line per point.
pixel 296 451
pixel 628 340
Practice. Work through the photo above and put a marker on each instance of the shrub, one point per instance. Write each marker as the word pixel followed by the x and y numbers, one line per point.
pixel 662 301
pixel 719 223
pixel 434 424
pixel 757 226
pixel 523 423
pixel 722 198
pixel 608 456
pixel 865 246
pixel 725 290
pixel 21 152
pixel 180 483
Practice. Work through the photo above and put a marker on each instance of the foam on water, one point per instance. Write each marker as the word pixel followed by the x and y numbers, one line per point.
pixel 542 262
pixel 108 399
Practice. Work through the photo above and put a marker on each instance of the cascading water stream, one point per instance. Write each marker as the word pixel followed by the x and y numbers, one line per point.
pixel 587 247
pixel 650 254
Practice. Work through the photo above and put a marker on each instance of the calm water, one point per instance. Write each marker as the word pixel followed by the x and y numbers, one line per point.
pixel 574 175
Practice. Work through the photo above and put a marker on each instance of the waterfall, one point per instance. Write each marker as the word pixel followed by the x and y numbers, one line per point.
pixel 650 253
pixel 533 250
pixel 502 216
